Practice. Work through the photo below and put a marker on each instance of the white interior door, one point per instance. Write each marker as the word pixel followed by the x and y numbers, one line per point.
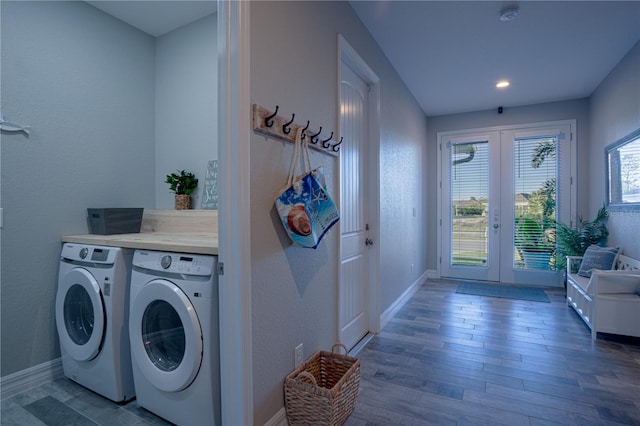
pixel 354 226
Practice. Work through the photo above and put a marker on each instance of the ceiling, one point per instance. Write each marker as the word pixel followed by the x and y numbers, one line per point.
pixel 157 17
pixel 450 54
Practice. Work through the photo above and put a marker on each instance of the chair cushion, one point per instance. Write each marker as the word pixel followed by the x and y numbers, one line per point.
pixel 597 257
pixel 582 282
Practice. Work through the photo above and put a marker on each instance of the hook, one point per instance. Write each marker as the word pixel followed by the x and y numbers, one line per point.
pixel 285 127
pixel 268 121
pixel 314 138
pixel 324 142
pixel 304 130
pixel 337 145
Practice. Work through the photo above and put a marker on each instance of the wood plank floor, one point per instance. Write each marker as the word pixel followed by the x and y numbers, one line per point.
pixel 444 359
pixel 456 359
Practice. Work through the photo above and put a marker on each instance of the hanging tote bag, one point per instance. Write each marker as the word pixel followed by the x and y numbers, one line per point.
pixel 304 204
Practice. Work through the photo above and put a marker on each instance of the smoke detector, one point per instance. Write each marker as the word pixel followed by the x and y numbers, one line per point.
pixel 509 13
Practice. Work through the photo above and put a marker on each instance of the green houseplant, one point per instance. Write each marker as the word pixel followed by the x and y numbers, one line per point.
pixel 535 241
pixel 574 240
pixel 182 184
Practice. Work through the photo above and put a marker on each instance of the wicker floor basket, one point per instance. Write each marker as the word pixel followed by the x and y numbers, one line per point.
pixel 323 389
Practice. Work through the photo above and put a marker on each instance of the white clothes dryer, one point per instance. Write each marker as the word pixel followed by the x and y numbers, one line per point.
pixel 92 310
pixel 173 327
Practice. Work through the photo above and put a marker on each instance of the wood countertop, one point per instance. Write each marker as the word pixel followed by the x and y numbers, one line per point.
pixel 182 231
pixel 181 243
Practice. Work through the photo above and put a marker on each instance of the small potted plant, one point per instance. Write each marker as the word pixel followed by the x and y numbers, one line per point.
pixel 182 184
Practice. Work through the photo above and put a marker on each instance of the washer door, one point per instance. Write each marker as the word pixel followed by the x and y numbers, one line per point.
pixel 80 316
pixel 166 337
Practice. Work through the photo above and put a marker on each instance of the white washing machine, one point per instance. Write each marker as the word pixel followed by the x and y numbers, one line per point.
pixel 92 309
pixel 173 327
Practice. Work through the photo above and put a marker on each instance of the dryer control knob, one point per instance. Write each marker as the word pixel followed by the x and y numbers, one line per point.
pixel 84 252
pixel 165 262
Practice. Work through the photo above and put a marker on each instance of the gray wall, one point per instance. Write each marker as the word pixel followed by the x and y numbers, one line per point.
pixel 294 64
pixel 84 82
pixel 186 104
pixel 615 112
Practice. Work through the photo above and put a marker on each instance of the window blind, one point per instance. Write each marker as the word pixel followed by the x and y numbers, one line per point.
pixel 469 203
pixel 535 193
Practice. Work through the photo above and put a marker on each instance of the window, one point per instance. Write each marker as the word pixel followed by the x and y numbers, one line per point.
pixel 623 172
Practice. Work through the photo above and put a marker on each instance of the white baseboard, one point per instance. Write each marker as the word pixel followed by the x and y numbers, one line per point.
pixel 402 300
pixel 37 375
pixel 433 274
pixel 279 419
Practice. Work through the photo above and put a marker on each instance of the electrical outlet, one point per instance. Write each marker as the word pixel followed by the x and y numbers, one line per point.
pixel 298 354
pixel 411 268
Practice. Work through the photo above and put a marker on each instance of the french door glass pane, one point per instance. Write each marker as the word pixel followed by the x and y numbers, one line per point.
pixel 535 179
pixel 469 203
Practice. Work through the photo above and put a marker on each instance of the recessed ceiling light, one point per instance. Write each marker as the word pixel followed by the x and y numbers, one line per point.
pixel 502 84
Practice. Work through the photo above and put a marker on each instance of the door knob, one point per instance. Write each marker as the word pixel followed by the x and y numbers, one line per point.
pixel 495 225
pixel 368 242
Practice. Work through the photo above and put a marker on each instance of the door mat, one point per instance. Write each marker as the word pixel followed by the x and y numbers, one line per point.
pixel 504 291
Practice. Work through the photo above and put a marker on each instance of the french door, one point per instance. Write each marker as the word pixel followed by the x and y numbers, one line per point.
pixel 501 191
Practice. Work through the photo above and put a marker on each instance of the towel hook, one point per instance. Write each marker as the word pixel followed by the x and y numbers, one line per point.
pixel 285 127
pixel 314 138
pixel 324 142
pixel 268 121
pixel 337 145
pixel 304 130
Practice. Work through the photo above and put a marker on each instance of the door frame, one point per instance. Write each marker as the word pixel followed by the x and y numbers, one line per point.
pixel 440 193
pixel 349 56
pixel 234 218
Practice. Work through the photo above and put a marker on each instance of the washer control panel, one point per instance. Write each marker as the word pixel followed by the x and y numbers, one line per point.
pixel 179 263
pixel 89 253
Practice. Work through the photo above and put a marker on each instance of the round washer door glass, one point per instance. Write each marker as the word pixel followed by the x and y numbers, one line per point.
pixel 166 337
pixel 163 335
pixel 80 316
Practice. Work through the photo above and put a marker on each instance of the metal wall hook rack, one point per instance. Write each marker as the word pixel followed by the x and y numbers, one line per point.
pixel 271 124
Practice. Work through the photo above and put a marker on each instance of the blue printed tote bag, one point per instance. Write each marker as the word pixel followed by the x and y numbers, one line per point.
pixel 304 204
